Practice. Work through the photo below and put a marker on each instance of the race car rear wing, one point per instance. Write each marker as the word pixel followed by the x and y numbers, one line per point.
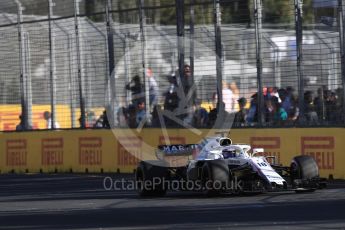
pixel 177 155
pixel 177 150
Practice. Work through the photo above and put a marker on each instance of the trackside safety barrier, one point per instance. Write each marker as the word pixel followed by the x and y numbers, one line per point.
pixel 119 151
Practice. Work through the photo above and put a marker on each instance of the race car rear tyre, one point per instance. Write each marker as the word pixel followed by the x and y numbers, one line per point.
pixel 215 176
pixel 304 171
pixel 150 179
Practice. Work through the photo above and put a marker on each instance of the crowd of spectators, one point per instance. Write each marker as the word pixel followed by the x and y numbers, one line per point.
pixel 281 108
pixel 182 108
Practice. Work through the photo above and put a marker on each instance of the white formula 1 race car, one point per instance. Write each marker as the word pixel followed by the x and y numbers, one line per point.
pixel 221 166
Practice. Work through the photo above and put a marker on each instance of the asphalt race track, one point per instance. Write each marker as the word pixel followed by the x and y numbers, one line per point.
pixel 81 202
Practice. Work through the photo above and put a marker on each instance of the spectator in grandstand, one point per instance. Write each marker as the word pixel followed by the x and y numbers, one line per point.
pixel 21 125
pixel 132 116
pixel 212 117
pixel 141 113
pixel 105 123
pixel 228 98
pixel 188 86
pixel 153 88
pixel 294 110
pixel 340 102
pixel 218 117
pixel 188 96
pixel 90 119
pixel 290 91
pixel 98 123
pixel 171 100
pixel 235 96
pixel 285 100
pixel 266 92
pixel 280 115
pixel 47 117
pixel 137 89
pixel 270 109
pixel 331 107
pixel 273 92
pixel 319 102
pixel 200 117
pixel 171 97
pixel 122 117
pixel 240 119
pixel 155 123
pixel 252 115
pixel 309 109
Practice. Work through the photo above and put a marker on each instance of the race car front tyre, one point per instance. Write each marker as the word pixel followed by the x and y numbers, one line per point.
pixel 304 173
pixel 150 179
pixel 215 176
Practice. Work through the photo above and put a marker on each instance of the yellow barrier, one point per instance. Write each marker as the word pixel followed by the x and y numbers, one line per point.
pixel 102 151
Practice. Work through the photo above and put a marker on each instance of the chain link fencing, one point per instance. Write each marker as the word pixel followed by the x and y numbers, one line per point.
pixel 100 63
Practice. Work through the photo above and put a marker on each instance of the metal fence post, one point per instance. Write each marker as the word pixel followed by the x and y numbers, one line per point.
pixel 299 40
pixel 127 65
pixel 191 33
pixel 28 79
pixel 258 39
pixel 219 55
pixel 80 64
pixel 111 61
pixel 107 96
pixel 142 19
pixel 180 34
pixel 341 13
pixel 71 82
pixel 22 77
pixel 52 71
pixel 243 58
